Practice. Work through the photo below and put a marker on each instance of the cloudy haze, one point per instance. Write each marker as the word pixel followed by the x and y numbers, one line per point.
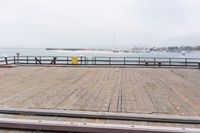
pixel 93 23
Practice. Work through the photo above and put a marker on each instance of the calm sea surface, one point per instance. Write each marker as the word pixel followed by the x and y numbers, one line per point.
pixel 43 52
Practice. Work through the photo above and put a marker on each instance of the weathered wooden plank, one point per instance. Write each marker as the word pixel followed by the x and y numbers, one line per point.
pixel 144 102
pixel 185 91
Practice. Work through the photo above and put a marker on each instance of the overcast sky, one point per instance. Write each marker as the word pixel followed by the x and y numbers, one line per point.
pixel 93 23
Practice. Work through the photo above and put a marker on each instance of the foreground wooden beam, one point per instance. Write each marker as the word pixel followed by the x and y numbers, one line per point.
pixel 104 115
pixel 26 124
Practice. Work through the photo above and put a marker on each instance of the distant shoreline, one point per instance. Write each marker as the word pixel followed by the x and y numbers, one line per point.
pixel 70 49
pixel 118 51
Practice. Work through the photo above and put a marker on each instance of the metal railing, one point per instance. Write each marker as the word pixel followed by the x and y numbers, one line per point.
pixel 82 60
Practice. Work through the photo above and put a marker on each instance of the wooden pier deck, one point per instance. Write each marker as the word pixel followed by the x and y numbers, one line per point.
pixel 125 90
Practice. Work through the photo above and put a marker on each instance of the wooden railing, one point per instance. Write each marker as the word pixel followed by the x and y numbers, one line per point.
pixel 82 60
pixel 6 60
pixel 60 60
pixel 146 61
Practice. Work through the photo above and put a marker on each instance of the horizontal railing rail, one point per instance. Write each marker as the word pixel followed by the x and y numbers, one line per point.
pixel 49 60
pixel 145 57
pixel 82 60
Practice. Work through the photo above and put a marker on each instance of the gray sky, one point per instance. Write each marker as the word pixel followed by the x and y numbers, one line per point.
pixel 92 23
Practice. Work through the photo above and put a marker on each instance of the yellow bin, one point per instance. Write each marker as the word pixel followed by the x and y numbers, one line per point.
pixel 74 60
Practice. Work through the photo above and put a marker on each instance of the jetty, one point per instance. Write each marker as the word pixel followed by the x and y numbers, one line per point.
pixel 99 94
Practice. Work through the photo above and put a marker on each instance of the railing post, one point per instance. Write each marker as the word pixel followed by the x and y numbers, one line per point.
pixel 40 59
pixel 6 60
pixel 14 60
pixel 154 60
pixel 124 60
pixel 170 61
pixel 95 61
pixel 139 60
pixel 109 60
pixel 67 60
pixel 27 60
pixel 17 58
pixel 185 61
pixel 81 60
pixel 55 58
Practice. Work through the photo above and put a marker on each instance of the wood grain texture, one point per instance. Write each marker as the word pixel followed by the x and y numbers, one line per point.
pixel 127 90
pixel 136 90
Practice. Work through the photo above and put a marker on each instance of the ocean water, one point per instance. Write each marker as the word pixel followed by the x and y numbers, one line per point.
pixel 43 52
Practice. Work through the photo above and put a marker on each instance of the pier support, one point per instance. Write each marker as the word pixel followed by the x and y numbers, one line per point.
pixel 54 60
pixel 37 61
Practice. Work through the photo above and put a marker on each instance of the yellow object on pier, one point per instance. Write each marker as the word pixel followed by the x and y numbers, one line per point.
pixel 74 60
